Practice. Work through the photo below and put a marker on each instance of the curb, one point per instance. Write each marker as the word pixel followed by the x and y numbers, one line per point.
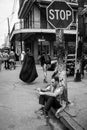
pixel 68 121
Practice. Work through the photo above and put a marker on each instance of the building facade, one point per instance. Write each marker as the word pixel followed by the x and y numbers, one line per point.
pixel 34 32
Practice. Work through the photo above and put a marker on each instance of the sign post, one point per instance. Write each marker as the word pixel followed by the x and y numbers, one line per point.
pixel 60 16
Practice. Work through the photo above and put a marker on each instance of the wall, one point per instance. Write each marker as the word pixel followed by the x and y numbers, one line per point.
pixel 36 17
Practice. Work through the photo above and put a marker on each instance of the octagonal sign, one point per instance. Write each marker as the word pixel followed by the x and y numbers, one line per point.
pixel 59 14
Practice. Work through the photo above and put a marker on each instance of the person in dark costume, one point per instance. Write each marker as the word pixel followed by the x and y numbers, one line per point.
pixel 28 71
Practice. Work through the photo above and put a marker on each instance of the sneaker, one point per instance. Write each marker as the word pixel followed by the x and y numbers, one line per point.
pixel 40 111
pixel 46 114
pixel 45 81
pixel 57 115
pixel 47 120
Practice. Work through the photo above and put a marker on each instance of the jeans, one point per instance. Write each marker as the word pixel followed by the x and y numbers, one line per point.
pixel 6 64
pixel 48 102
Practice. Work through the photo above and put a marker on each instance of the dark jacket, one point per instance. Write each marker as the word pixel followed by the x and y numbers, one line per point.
pixel 42 60
pixel 45 59
pixel 28 71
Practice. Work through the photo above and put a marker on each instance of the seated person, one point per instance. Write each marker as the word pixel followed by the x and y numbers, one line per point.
pixel 51 96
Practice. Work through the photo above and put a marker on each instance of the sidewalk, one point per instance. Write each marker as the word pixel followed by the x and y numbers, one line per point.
pixel 75 116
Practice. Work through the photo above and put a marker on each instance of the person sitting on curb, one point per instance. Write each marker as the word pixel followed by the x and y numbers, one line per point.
pixel 51 97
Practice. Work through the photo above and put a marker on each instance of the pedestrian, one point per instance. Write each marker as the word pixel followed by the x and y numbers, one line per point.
pixel 52 96
pixel 1 58
pixel 12 60
pixel 77 76
pixel 22 57
pixel 48 61
pixel 28 71
pixel 6 59
pixel 45 60
pixel 82 66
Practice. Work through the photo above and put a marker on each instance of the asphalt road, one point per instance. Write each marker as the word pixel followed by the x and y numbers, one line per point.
pixel 19 101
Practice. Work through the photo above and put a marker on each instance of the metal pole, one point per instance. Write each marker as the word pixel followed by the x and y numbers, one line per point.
pixel 8 31
pixel 76 48
pixel 79 42
pixel 21 40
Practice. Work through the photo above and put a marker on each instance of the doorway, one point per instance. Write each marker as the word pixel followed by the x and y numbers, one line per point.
pixel 43 46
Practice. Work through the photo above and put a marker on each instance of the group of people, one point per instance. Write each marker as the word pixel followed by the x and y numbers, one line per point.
pixel 8 58
pixel 53 95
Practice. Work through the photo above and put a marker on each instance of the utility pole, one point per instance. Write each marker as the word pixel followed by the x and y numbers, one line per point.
pixel 8 30
pixel 61 56
pixel 79 41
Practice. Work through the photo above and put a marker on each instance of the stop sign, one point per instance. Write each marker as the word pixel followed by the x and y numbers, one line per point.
pixel 59 14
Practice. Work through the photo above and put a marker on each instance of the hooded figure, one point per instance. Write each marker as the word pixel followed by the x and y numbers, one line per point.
pixel 28 71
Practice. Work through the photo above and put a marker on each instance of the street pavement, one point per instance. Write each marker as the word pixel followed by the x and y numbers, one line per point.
pixel 19 101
